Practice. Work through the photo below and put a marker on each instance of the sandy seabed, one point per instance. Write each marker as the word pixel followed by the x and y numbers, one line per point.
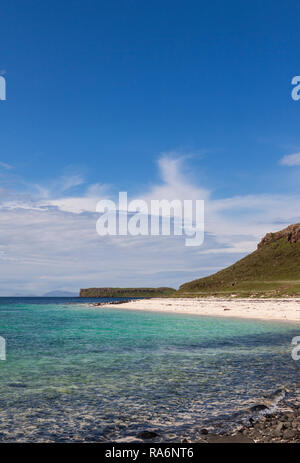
pixel 265 309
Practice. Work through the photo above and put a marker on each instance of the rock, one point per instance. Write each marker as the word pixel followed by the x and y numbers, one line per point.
pixel 280 427
pixel 289 434
pixel 278 395
pixel 147 434
pixel 259 426
pixel 290 233
pixel 204 431
pixel 17 385
pixel 258 408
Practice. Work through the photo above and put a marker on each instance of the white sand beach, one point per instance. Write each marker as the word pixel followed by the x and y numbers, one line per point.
pixel 287 310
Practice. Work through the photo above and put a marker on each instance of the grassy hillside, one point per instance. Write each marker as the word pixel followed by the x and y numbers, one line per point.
pixel 272 270
pixel 126 292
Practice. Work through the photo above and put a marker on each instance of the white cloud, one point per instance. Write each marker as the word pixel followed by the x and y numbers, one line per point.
pixel 74 204
pixel 49 240
pixel 85 203
pixel 67 182
pixel 290 160
pixel 174 183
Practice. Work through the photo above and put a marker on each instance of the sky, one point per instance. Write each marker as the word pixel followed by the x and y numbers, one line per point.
pixel 168 99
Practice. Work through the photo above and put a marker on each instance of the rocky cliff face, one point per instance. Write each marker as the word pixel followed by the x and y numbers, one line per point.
pixel 290 233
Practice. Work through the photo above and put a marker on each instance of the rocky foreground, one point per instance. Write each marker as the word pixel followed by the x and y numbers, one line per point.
pixel 275 428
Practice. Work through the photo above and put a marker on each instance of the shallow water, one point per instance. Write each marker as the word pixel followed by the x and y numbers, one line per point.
pixel 80 373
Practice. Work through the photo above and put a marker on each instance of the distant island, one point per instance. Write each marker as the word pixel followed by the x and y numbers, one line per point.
pixel 126 292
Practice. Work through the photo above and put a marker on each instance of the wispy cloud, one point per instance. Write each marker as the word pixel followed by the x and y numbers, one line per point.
pixel 67 182
pixel 290 160
pixel 49 241
pixel 5 165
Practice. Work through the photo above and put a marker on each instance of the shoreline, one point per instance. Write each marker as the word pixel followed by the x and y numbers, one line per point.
pixel 277 427
pixel 275 310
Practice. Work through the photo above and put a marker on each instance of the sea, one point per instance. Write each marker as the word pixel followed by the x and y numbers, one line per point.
pixel 79 373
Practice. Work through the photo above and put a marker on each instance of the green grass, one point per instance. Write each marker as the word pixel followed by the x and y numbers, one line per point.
pixel 271 271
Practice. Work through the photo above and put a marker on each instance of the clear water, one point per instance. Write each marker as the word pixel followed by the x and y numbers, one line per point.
pixel 80 373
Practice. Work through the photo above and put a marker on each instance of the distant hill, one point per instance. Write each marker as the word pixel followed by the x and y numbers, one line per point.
pixel 126 292
pixel 60 294
pixel 272 270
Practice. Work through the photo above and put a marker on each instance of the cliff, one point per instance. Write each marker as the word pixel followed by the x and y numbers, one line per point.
pixel 290 234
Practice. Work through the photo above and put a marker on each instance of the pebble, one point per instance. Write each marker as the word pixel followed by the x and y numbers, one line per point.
pixel 147 434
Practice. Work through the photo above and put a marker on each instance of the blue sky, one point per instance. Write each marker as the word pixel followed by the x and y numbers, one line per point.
pixel 100 93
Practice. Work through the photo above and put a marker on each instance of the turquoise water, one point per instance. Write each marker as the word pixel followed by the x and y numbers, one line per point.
pixel 80 373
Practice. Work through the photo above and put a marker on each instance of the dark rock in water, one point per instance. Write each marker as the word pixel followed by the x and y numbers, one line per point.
pixel 17 385
pixel 147 434
pixel 258 408
pixel 277 395
pixel 204 431
pixel 278 392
